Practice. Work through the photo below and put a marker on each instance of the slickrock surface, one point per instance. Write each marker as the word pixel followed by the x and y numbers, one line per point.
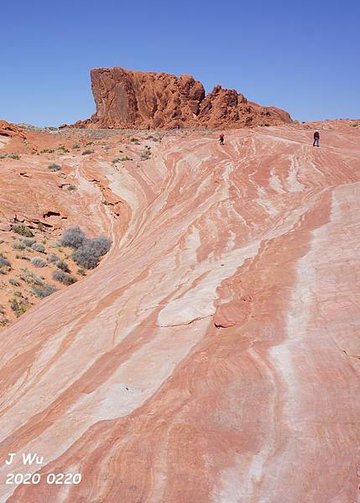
pixel 127 99
pixel 214 355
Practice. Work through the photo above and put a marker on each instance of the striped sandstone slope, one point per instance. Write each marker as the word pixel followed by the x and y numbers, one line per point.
pixel 214 355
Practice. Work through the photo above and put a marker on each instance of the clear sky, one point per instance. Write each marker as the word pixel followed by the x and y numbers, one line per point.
pixel 300 55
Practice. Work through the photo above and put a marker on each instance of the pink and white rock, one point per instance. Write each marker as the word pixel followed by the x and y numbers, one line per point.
pixel 214 355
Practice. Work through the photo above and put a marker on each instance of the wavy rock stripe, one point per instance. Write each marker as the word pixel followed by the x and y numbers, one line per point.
pixel 214 354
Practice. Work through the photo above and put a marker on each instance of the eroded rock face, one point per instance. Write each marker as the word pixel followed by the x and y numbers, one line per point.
pixel 127 99
pixel 7 129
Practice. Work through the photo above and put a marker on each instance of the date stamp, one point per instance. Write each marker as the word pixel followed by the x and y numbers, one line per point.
pixel 34 460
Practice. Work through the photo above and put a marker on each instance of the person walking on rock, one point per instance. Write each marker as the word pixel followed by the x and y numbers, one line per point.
pixel 316 139
pixel 221 139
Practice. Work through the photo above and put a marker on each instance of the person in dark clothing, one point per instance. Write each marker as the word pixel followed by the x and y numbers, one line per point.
pixel 316 139
pixel 221 139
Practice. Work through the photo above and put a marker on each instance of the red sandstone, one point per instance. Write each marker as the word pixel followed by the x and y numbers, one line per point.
pixel 132 99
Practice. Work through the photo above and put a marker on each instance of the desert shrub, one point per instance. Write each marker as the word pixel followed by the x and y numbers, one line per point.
pixel 146 153
pixel 126 158
pixel 22 257
pixel 44 290
pixel 87 152
pixel 134 140
pixel 38 262
pixel 28 242
pixel 84 257
pixel 18 305
pixel 89 253
pixel 76 146
pixel 14 282
pixel 13 156
pixel 61 264
pixel 63 149
pixel 73 237
pixel 63 277
pixel 46 151
pixel 81 271
pixel 23 230
pixel 71 187
pixel 116 160
pixel 29 277
pixel 52 258
pixel 54 167
pixel 100 245
pixel 19 245
pixel 5 265
pixel 4 262
pixel 38 247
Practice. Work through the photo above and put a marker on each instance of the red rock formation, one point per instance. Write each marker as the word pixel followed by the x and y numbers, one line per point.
pixel 132 99
pixel 7 129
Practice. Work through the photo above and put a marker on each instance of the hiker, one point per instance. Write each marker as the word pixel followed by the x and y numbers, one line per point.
pixel 221 139
pixel 316 139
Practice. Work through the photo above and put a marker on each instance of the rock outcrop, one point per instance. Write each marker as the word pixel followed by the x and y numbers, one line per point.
pixel 132 99
pixel 7 129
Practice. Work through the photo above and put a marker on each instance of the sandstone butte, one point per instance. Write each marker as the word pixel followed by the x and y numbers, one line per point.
pixel 133 99
pixel 214 354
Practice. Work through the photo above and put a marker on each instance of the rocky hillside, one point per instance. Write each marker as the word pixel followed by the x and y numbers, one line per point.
pixel 131 99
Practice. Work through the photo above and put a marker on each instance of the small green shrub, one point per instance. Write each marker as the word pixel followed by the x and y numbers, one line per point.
pixel 54 167
pixel 89 253
pixel 52 258
pixel 87 152
pixel 4 264
pixel 126 158
pixel 38 247
pixel 146 154
pixel 46 151
pixel 28 242
pixel 71 187
pixel 38 262
pixel 73 237
pixel 18 305
pixel 63 266
pixel 19 245
pixel 63 277
pixel 22 230
pixel 44 290
pixel 29 277
pixel 63 149
pixel 14 282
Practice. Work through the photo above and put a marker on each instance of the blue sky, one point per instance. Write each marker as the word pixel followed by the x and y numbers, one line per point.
pixel 302 56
